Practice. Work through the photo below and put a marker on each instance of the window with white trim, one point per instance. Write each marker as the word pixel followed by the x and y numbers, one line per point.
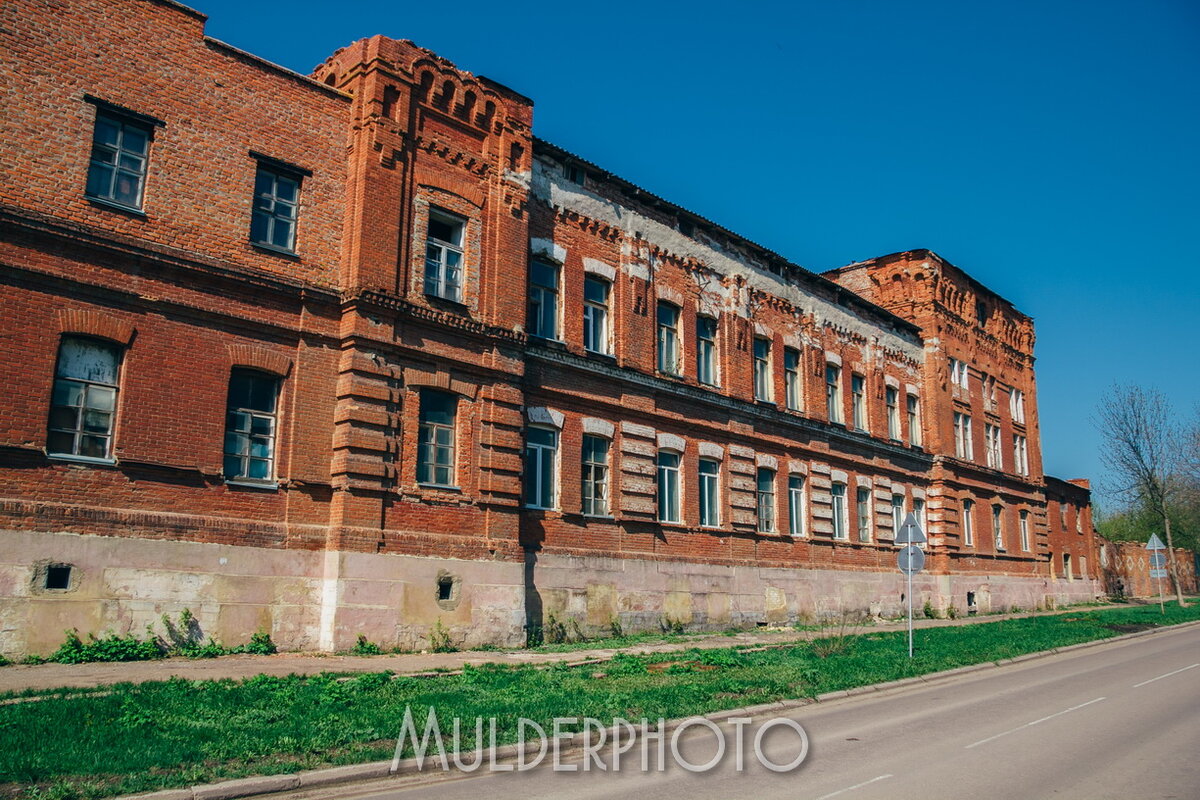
pixel 914 420
pixel 858 401
pixel 797 507
pixel 968 523
pixel 668 486
pixel 668 339
pixel 543 300
pixel 959 374
pixel 708 486
pixel 250 426
pixel 541 455
pixel 833 392
pixel 1016 404
pixel 706 350
pixel 838 494
pixel 1020 454
pixel 83 404
pixel 791 378
pixel 991 438
pixel 765 491
pixel 964 446
pixel 897 513
pixel 762 369
pixel 444 255
pixel 998 525
pixel 595 315
pixel 594 463
pixel 892 400
pixel 1023 522
pixel 863 506
pixel 919 512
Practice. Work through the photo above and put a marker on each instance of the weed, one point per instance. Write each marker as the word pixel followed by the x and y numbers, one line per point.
pixel 841 640
pixel 365 647
pixel 614 627
pixel 439 638
pixel 930 611
pixel 260 644
pixel 554 631
pixel 107 648
pixel 672 625
pixel 952 612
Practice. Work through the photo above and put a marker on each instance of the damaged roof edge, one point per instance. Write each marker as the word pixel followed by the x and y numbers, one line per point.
pixel 925 252
pixel 841 293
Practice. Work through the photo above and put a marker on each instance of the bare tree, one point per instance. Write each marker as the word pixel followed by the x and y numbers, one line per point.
pixel 1145 449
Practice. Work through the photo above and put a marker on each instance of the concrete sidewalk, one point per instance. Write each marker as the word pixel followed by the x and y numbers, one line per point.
pixel 42 677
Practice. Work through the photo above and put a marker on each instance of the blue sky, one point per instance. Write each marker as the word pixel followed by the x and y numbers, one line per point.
pixel 1050 149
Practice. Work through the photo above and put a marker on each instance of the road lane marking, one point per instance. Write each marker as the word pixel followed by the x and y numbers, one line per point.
pixel 1169 674
pixel 1031 724
pixel 855 786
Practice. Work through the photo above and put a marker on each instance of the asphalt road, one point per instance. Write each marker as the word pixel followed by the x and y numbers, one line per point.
pixel 1115 721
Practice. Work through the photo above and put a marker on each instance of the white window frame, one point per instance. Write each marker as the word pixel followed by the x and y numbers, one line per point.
pixel 797 505
pixel 706 350
pixel 998 525
pixel 765 511
pixel 858 401
pixel 995 453
pixel 596 338
pixel 968 523
pixel 708 491
pixel 669 491
pixel 1016 403
pixel 594 478
pixel 793 396
pixel 1023 523
pixel 763 378
pixel 964 446
pixel 892 400
pixel 440 256
pixel 912 405
pixel 864 516
pixel 833 393
pixel 837 495
pixel 669 347
pixel 539 458
pixel 542 296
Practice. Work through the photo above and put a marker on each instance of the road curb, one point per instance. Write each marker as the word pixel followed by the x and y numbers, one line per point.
pixel 571 743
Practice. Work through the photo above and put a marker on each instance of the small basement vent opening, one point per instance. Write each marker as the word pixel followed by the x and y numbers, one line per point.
pixel 445 587
pixel 448 591
pixel 58 576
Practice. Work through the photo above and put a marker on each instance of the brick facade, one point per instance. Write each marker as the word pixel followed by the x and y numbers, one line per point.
pixel 424 199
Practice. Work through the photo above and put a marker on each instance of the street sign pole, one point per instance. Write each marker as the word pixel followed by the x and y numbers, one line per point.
pixel 910 559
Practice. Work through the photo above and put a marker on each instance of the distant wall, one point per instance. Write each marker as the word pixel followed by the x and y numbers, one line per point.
pixel 1126 570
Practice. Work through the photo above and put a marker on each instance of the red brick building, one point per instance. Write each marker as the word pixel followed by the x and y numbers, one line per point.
pixel 357 353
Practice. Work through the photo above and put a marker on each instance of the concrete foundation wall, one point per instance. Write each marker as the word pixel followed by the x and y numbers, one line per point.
pixel 306 600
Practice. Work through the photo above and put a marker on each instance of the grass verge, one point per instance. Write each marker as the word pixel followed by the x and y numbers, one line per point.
pixel 176 733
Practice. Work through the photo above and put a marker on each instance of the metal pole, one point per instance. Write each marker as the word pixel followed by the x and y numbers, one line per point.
pixel 1161 608
pixel 910 649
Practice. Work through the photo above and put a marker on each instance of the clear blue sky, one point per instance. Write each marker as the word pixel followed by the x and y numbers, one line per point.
pixel 1051 149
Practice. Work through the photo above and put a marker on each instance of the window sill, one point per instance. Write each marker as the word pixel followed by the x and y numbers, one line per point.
pixel 602 517
pixel 276 251
pixel 74 459
pixel 599 354
pixel 458 305
pixel 440 487
pixel 666 523
pixel 265 486
pixel 112 205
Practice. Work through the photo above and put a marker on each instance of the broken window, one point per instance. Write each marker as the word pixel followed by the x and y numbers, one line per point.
pixel 83 404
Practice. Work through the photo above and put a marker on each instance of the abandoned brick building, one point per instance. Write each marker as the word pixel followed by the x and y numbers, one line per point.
pixel 356 353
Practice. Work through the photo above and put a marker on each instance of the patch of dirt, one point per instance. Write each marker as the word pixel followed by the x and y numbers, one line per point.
pixel 1131 628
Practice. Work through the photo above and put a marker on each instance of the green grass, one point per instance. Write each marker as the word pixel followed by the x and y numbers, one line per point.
pixel 81 744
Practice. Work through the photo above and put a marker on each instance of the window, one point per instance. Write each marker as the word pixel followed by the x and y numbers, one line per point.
pixel 84 400
pixel 1023 520
pixel 1020 454
pixel 595 315
pixel 833 392
pixel 997 526
pixel 668 339
pixel 668 486
pixel 959 374
pixel 543 300
pixel 1079 519
pixel 995 456
pixel 1062 514
pixel 276 198
pixel 444 255
pixel 919 513
pixel 858 401
pixel 250 426
pixel 766 499
pixel 58 576
pixel 594 456
pixel 897 513
pixel 117 172
pixel 989 392
pixel 541 452
pixel 1067 567
pixel 863 505
pixel 574 173
pixel 968 523
pixel 914 420
pixel 838 493
pixel 963 446
pixel 1016 404
pixel 791 378
pixel 706 350
pixel 435 438
pixel 796 506
pixel 892 398
pixel 762 369
pixel 710 492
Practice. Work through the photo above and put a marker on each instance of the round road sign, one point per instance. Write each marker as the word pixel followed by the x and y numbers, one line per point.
pixel 911 559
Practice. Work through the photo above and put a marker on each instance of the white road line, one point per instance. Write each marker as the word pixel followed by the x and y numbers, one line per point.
pixel 855 786
pixel 1031 724
pixel 1169 674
